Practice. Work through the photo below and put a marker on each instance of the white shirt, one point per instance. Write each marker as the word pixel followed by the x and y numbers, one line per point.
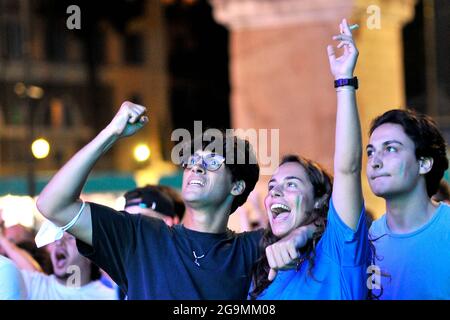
pixel 45 287
pixel 12 286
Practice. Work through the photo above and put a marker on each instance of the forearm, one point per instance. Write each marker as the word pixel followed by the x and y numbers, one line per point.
pixel 65 187
pixel 348 149
pixel 21 258
pixel 304 234
pixel 347 193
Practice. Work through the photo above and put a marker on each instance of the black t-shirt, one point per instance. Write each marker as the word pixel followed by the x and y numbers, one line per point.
pixel 150 260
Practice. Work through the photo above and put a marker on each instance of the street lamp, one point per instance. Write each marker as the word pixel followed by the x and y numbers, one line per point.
pixel 40 148
pixel 141 153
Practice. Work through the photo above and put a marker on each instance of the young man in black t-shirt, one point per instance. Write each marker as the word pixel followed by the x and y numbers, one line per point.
pixel 199 259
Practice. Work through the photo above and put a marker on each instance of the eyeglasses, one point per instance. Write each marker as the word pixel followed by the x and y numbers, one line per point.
pixel 210 162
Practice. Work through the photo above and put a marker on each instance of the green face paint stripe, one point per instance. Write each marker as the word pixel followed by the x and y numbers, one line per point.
pixel 402 169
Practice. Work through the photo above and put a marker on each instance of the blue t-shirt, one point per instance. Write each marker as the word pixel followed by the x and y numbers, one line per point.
pixel 415 265
pixel 150 260
pixel 12 286
pixel 342 257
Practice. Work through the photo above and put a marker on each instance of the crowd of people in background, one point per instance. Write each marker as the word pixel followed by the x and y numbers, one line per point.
pixel 58 271
pixel 312 239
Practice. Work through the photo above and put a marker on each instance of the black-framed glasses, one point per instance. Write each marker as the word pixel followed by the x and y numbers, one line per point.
pixel 210 161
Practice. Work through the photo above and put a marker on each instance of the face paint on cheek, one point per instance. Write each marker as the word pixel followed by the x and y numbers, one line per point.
pixel 298 208
pixel 402 170
pixel 297 203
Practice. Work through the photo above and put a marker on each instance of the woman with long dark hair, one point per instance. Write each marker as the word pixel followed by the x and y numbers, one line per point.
pixel 333 261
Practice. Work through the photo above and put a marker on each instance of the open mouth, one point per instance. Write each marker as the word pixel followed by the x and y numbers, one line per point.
pixel 61 259
pixel 280 210
pixel 196 182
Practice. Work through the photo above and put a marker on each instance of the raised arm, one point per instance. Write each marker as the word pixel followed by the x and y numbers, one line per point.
pixel 347 194
pixel 60 200
pixel 20 257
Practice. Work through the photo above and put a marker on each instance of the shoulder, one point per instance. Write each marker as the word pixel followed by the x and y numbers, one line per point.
pixel 250 238
pixel 155 224
pixel 443 215
pixel 251 235
pixel 35 278
pixel 11 281
pixel 334 220
pixel 7 268
pixel 99 291
pixel 99 209
pixel 123 219
pixel 445 208
pixel 5 263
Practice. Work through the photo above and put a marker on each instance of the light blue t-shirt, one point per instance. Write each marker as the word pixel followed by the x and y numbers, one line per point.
pixel 342 257
pixel 12 286
pixel 416 265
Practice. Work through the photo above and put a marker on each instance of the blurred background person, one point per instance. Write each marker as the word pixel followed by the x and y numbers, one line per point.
pixel 74 276
pixel 443 193
pixel 178 203
pixel 12 286
pixel 155 201
pixel 19 233
pixel 8 248
pixel 17 243
pixel 252 215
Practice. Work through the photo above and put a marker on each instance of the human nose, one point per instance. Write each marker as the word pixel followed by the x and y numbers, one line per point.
pixel 276 191
pixel 376 161
pixel 59 242
pixel 198 167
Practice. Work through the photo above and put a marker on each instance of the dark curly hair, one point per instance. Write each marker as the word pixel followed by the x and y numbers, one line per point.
pixel 240 159
pixel 429 142
pixel 322 183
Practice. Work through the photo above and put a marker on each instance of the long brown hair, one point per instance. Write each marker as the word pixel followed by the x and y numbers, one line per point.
pixel 322 183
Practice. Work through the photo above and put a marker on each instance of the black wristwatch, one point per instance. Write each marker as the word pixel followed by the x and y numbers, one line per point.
pixel 346 82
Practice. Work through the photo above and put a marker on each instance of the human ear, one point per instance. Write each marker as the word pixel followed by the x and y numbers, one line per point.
pixel 319 202
pixel 425 165
pixel 238 188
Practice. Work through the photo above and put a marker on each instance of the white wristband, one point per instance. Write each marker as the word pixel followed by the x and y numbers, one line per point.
pixel 49 232
pixel 75 219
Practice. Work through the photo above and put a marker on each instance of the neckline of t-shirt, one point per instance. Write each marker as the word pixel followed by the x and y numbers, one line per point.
pixel 192 234
pixel 421 229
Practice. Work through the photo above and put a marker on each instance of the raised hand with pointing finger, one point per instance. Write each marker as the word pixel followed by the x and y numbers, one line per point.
pixel 342 67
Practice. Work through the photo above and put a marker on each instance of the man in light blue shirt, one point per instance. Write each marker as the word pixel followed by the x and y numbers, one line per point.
pixel 12 286
pixel 406 161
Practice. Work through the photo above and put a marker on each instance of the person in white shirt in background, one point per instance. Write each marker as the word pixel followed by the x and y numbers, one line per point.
pixel 74 277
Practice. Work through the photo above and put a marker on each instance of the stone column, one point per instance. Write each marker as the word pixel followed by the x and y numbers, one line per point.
pixel 280 75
